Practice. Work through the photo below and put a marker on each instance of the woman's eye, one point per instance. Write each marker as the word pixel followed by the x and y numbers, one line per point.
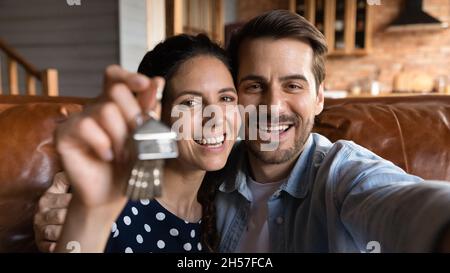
pixel 228 99
pixel 189 103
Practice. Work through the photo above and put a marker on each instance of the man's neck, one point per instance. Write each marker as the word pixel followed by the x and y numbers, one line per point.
pixel 265 173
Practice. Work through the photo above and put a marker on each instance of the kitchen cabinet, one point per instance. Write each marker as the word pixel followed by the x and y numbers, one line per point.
pixel 195 16
pixel 346 24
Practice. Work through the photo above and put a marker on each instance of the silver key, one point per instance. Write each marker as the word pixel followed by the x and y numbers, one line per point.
pixel 151 143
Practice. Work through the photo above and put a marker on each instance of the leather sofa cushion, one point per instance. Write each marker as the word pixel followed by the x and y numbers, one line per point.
pixel 413 133
pixel 28 162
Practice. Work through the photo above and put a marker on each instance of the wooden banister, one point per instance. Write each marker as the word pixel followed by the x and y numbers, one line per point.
pixel 13 54
pixel 13 76
pixel 31 85
pixel 48 77
pixel 50 82
pixel 1 83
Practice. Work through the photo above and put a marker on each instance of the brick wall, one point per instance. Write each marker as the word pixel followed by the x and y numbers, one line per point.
pixel 424 51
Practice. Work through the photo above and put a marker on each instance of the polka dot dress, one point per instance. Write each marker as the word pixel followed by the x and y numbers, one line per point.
pixel 146 226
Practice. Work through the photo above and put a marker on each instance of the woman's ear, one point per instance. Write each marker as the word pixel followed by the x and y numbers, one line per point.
pixel 319 100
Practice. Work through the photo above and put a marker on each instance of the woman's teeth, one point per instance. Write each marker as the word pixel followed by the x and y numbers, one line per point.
pixel 212 141
pixel 279 128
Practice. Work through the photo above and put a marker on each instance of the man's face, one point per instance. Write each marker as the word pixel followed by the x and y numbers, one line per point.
pixel 278 73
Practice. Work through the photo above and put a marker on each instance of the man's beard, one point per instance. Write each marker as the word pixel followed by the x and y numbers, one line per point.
pixel 280 156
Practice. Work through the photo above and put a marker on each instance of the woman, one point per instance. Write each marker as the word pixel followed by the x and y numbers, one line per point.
pixel 92 148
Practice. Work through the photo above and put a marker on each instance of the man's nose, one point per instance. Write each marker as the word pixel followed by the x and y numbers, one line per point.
pixel 275 100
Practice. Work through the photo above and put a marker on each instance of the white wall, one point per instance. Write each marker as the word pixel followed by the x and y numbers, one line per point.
pixel 79 41
pixel 132 32
pixel 230 7
pixel 156 27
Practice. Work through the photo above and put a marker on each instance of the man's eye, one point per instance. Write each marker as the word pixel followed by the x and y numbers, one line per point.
pixel 294 86
pixel 254 87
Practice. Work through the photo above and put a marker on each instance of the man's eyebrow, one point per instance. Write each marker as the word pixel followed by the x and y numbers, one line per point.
pixel 252 78
pixel 293 77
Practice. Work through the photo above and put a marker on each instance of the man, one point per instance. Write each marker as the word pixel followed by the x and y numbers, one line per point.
pixel 310 195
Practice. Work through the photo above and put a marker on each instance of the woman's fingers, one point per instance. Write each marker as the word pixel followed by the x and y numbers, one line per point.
pixel 120 86
pixel 126 102
pixel 110 118
pixel 149 98
pixel 103 127
pixel 115 74
pixel 83 132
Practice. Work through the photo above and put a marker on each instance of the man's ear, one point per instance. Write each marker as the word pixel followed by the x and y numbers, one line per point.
pixel 319 100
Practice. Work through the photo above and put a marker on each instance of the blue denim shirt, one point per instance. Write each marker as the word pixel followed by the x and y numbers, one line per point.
pixel 339 197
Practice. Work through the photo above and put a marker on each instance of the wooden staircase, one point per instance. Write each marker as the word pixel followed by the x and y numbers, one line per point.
pixel 48 78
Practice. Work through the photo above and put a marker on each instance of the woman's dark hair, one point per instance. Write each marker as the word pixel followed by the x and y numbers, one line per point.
pixel 164 60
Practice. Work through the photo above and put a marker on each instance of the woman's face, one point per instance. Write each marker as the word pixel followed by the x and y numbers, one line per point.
pixel 202 92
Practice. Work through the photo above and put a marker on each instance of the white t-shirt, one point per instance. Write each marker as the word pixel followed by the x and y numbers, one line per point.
pixel 256 237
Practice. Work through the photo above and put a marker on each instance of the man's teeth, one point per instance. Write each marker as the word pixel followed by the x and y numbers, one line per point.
pixel 274 128
pixel 211 140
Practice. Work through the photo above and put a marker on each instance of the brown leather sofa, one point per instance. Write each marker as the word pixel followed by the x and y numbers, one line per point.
pixel 412 132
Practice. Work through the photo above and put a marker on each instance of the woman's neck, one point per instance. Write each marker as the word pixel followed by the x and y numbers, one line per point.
pixel 179 190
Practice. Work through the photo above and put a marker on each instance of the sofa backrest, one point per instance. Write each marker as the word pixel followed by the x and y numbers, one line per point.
pixel 28 162
pixel 412 132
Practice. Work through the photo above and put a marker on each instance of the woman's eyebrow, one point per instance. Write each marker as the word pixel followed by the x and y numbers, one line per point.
pixel 189 92
pixel 228 89
pixel 200 94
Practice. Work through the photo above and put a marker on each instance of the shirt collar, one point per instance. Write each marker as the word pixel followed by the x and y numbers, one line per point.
pixel 234 175
pixel 297 184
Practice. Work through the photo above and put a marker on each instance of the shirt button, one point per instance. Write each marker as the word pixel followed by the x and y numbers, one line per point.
pixel 280 220
pixel 277 194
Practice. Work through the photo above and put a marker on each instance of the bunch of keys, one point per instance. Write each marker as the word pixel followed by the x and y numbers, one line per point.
pixel 152 142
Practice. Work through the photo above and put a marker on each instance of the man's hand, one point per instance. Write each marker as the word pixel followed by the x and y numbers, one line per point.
pixel 52 209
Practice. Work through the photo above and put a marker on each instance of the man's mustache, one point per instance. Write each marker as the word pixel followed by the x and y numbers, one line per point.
pixel 282 119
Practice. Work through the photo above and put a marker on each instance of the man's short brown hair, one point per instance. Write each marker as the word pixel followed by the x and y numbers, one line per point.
pixel 279 24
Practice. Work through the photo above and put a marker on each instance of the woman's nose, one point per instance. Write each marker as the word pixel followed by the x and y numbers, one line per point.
pixel 214 117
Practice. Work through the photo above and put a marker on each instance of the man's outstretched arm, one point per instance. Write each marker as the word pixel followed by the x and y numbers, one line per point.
pixel 378 201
